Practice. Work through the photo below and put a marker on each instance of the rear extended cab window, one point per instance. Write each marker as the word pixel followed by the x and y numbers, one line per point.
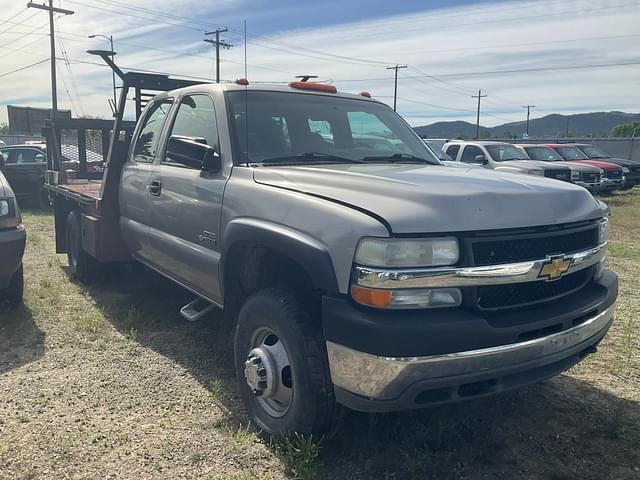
pixel 145 145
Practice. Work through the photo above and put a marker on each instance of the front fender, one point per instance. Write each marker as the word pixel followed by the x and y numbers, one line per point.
pixel 307 251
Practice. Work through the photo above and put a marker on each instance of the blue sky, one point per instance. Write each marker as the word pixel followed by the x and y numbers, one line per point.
pixel 452 49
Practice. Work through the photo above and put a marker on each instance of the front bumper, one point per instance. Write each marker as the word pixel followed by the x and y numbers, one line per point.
pixel 381 362
pixel 12 242
pixel 609 184
pixel 592 187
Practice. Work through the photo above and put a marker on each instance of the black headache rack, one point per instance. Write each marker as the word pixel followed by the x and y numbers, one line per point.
pixel 85 159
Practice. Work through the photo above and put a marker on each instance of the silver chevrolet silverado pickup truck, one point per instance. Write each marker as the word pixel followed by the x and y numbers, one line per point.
pixel 359 274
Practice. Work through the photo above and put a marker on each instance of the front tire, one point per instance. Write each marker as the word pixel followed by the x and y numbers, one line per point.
pixel 13 293
pixel 282 367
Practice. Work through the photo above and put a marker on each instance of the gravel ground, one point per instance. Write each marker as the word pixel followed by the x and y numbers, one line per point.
pixel 106 381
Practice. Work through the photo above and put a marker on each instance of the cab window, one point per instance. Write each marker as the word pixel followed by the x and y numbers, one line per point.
pixel 469 154
pixel 146 145
pixel 452 151
pixel 196 118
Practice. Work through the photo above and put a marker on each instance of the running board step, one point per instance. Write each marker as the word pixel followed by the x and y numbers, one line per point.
pixel 196 309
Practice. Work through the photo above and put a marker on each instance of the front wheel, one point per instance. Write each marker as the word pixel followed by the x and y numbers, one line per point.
pixel 13 293
pixel 282 366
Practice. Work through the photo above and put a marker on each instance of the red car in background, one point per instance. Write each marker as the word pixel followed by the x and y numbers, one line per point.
pixel 612 176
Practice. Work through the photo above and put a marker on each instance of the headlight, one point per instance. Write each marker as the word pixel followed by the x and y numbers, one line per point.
pixel 423 252
pixel 9 214
pixel 625 170
pixel 603 230
pixel 575 175
pixel 536 172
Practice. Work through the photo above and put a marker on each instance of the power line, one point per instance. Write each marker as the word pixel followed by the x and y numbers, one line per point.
pixel 23 68
pixel 492 72
pixel 509 45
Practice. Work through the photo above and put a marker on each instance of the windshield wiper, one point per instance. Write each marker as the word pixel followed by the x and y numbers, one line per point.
pixel 397 158
pixel 317 157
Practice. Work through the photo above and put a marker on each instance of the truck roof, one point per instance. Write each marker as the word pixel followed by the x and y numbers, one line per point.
pixel 265 87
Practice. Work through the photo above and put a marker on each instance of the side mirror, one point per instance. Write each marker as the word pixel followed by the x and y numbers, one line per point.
pixel 481 159
pixel 193 152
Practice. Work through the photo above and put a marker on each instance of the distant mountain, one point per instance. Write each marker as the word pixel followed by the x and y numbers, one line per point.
pixel 554 125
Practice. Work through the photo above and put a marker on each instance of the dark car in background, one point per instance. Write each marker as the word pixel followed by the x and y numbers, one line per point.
pixel 12 242
pixel 630 169
pixel 612 174
pixel 24 168
pixel 586 176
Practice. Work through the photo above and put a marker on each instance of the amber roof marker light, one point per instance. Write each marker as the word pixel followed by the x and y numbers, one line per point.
pixel 322 87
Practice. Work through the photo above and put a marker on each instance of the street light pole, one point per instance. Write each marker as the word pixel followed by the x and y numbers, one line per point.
pixel 113 73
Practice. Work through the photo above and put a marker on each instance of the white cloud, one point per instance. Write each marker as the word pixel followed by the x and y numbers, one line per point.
pixel 471 38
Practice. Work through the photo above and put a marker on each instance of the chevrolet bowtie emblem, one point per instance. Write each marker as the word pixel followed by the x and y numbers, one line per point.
pixel 554 267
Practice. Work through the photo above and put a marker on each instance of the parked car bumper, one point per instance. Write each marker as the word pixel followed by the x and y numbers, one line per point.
pixel 609 184
pixel 12 244
pixel 385 361
pixel 592 187
pixel 631 180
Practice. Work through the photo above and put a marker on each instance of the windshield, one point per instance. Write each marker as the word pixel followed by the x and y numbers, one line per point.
pixel 545 154
pixel 504 153
pixel 571 153
pixel 438 153
pixel 294 128
pixel 593 152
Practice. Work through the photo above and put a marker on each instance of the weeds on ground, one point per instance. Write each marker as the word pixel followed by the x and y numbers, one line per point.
pixel 300 454
pixel 132 344
pixel 241 436
pixel 215 388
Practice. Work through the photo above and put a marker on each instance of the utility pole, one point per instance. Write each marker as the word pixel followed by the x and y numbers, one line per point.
pixel 218 43
pixel 528 107
pixel 395 85
pixel 479 96
pixel 51 9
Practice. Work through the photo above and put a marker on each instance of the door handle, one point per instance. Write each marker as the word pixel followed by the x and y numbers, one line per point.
pixel 155 188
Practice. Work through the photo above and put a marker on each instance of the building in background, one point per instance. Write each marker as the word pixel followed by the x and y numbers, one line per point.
pixel 29 120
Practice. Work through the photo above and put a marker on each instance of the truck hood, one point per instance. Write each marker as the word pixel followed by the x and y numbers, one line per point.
pixel 599 164
pixel 433 198
pixel 528 164
pixel 623 162
pixel 578 167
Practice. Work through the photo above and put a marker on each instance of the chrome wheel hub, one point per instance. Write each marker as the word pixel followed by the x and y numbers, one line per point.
pixel 267 372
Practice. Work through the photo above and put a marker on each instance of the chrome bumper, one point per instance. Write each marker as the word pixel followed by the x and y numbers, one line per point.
pixel 473 276
pixel 385 378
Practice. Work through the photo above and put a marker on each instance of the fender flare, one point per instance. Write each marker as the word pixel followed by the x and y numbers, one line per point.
pixel 308 252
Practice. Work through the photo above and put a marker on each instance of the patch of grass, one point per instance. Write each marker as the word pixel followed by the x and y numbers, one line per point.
pixel 132 344
pixel 4 448
pixel 215 388
pixel 241 436
pixel 300 454
pixel 23 419
pixel 196 458
pixel 92 322
pixel 618 249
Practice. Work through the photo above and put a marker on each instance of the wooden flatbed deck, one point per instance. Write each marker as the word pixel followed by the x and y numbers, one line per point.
pixel 89 191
